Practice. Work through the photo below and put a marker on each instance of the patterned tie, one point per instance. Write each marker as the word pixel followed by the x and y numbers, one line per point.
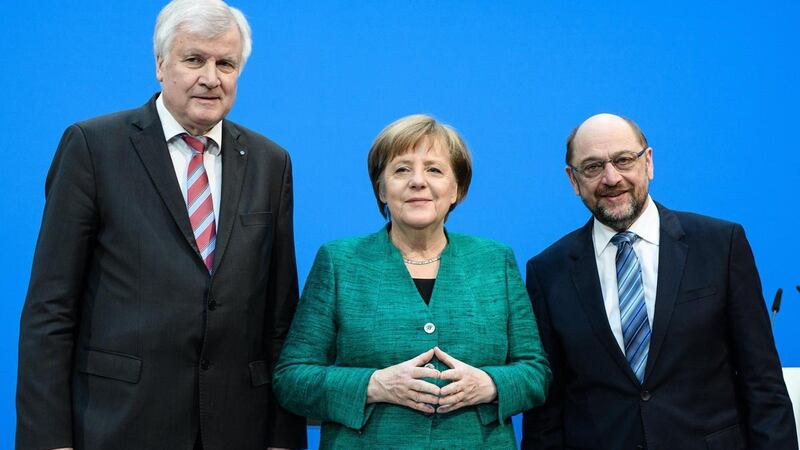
pixel 632 310
pixel 198 201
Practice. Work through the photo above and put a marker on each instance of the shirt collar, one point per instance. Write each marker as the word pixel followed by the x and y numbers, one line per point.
pixel 172 128
pixel 647 227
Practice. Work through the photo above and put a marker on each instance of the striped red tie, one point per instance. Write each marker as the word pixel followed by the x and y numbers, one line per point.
pixel 198 201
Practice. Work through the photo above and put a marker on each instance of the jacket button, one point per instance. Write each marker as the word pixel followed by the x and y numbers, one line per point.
pixel 429 328
pixel 212 305
pixel 204 364
pixel 646 396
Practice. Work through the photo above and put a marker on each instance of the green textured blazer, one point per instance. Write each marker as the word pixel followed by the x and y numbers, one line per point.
pixel 360 311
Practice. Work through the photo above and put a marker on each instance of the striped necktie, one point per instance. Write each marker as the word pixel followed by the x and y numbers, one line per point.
pixel 198 201
pixel 632 310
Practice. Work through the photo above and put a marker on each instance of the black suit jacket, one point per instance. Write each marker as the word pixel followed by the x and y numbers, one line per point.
pixel 713 379
pixel 126 342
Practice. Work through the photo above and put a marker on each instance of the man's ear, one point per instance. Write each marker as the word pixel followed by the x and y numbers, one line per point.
pixel 573 180
pixel 648 159
pixel 159 71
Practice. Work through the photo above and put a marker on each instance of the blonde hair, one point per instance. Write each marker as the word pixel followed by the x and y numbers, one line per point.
pixel 406 133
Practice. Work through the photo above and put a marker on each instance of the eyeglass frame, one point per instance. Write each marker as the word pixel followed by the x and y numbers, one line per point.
pixel 606 161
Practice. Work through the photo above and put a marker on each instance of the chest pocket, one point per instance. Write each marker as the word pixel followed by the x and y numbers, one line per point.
pixel 256 219
pixel 696 294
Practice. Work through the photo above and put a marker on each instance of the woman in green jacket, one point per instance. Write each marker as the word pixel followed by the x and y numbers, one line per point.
pixel 414 337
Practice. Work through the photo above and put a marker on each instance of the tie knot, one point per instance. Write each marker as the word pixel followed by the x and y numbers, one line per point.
pixel 198 144
pixel 626 237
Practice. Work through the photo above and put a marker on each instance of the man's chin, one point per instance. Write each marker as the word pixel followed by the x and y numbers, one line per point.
pixel 204 123
pixel 619 219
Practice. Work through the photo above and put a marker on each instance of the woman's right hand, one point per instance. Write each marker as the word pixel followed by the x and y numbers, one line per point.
pixel 402 384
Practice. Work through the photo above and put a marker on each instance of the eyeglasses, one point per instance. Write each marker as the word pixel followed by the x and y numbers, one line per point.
pixel 623 162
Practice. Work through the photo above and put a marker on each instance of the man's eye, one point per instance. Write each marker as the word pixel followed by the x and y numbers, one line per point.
pixel 227 66
pixel 624 161
pixel 592 167
pixel 193 60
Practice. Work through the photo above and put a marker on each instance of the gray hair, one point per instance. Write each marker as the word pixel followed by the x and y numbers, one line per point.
pixel 207 18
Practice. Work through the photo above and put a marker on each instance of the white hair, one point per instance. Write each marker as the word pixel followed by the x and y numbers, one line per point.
pixel 206 18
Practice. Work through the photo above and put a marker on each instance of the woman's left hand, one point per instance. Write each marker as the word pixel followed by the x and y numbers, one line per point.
pixel 470 385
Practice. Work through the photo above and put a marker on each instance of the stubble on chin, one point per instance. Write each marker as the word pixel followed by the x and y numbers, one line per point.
pixel 621 220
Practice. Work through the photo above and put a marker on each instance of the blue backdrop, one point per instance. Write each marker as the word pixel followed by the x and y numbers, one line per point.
pixel 713 85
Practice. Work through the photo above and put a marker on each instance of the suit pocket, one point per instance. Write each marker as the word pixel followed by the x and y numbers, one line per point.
pixel 696 294
pixel 256 219
pixel 259 373
pixel 117 366
pixel 726 439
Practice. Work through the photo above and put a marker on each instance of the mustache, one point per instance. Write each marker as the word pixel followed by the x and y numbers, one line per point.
pixel 604 192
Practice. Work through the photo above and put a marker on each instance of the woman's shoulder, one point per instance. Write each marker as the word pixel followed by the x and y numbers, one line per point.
pixel 466 244
pixel 355 245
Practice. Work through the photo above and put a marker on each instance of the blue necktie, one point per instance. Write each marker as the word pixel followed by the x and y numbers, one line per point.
pixel 632 310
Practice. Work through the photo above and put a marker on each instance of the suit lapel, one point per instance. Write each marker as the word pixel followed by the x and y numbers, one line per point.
pixel 148 140
pixel 396 282
pixel 583 269
pixel 234 162
pixel 672 253
pixel 450 277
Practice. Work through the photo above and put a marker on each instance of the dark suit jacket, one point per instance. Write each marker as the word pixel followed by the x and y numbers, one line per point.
pixel 125 339
pixel 713 379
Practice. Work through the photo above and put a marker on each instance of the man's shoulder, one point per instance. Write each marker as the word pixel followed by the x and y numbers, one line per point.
pixel 558 251
pixel 119 119
pixel 694 223
pixel 253 140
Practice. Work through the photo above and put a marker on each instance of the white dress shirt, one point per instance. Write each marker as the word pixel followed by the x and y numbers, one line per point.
pixel 647 227
pixel 181 153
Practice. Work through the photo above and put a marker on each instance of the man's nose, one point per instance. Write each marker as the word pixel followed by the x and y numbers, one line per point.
pixel 209 76
pixel 611 175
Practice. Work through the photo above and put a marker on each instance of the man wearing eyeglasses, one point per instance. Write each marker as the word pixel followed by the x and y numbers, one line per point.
pixel 653 320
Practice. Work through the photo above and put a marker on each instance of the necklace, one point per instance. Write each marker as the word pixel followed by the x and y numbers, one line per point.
pixel 422 262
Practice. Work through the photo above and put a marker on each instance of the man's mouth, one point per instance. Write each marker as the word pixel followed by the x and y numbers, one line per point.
pixel 612 195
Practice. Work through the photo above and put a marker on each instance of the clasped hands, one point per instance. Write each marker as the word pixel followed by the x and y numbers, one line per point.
pixel 403 384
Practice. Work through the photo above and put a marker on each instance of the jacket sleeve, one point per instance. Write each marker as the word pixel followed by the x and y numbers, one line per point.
pixel 50 314
pixel 523 381
pixel 306 381
pixel 286 430
pixel 770 420
pixel 542 427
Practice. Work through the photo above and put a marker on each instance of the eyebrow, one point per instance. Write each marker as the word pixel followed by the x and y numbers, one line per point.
pixel 426 162
pixel 195 51
pixel 613 155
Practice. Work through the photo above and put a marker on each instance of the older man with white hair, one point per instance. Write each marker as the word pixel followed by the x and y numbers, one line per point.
pixel 164 278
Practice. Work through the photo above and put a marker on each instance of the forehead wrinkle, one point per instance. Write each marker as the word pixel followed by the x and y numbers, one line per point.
pixel 216 46
pixel 603 142
pixel 610 155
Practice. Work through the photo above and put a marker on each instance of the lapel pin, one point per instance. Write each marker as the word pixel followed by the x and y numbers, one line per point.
pixel 242 152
